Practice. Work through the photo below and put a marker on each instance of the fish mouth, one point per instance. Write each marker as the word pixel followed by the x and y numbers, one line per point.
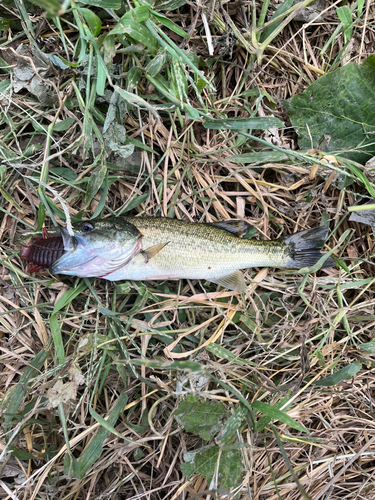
pixel 85 261
pixel 70 263
pixel 69 241
pixel 74 256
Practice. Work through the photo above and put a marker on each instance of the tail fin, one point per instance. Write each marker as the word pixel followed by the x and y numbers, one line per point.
pixel 305 248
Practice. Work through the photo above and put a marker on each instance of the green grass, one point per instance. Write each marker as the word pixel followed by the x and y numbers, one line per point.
pixel 180 389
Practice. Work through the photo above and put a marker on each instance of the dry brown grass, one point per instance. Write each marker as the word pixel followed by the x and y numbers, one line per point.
pixel 281 337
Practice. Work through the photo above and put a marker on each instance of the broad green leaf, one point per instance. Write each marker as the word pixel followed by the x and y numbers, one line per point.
pixel 123 288
pixel 257 123
pixel 32 149
pixel 208 462
pixel 92 20
pixel 56 61
pixel 341 375
pixel 142 425
pixel 71 467
pixel 63 125
pixel 132 78
pixel 64 172
pixel 21 454
pixel 342 105
pixel 192 113
pixel 368 347
pixel 261 157
pixel 139 14
pixel 136 31
pixel 200 417
pixel 275 414
pixel 38 127
pixel 201 84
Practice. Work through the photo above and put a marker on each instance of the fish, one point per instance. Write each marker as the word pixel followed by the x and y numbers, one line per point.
pixel 157 248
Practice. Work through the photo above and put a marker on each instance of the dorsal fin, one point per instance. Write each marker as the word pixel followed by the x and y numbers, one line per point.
pixel 237 227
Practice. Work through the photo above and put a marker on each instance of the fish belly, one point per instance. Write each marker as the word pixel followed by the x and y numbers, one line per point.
pixel 156 269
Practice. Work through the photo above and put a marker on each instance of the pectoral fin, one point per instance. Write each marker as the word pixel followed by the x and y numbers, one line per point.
pixel 152 251
pixel 233 281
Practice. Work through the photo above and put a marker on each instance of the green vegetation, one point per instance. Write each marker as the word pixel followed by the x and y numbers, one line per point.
pixel 180 389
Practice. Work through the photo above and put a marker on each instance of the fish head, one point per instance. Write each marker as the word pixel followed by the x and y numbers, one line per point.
pixel 97 247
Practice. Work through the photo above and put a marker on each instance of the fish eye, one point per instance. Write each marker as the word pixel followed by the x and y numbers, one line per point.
pixel 87 226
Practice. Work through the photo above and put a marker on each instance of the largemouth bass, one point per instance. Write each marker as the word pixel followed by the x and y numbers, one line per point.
pixel 151 248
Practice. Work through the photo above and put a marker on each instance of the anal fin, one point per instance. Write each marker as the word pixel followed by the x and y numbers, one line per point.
pixel 234 281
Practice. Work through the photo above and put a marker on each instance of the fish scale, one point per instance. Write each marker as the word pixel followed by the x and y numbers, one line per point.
pixel 197 251
pixel 152 248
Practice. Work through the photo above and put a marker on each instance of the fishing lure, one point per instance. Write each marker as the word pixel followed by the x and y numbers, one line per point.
pixel 43 252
